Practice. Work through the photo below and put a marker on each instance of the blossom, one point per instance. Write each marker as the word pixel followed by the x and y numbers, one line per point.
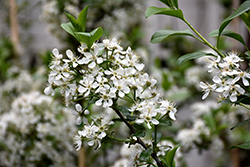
pixel 147 114
pixel 74 60
pixel 207 88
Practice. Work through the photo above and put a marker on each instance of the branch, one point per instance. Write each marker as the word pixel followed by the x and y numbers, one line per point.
pixel 153 155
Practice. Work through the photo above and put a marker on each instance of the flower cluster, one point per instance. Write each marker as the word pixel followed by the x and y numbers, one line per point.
pixel 229 80
pixel 36 131
pixel 107 76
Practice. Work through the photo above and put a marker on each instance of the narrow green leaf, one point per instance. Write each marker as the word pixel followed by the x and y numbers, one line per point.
pixel 96 34
pixel 243 99
pixel 210 121
pixel 170 156
pixel 163 34
pixel 167 2
pixel 141 133
pixel 228 33
pixel 165 122
pixel 82 19
pixel 90 38
pixel 144 156
pixel 158 136
pixel 242 8
pixel 72 20
pixel 246 18
pixel 165 11
pixel 68 27
pixel 131 118
pixel 124 110
pixel 247 53
pixel 240 124
pixel 190 56
pixel 245 146
pixel 175 3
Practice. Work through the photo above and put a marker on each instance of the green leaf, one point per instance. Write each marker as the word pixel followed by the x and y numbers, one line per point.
pixel 72 20
pixel 144 156
pixel 141 133
pixel 68 27
pixel 210 121
pixel 165 122
pixel 228 33
pixel 175 3
pixel 170 3
pixel 131 118
pixel 81 21
pixel 247 53
pixel 243 146
pixel 165 11
pixel 190 56
pixel 163 34
pixel 167 2
pixel 243 99
pixel 242 8
pixel 246 18
pixel 124 110
pixel 90 38
pixel 158 136
pixel 241 123
pixel 170 156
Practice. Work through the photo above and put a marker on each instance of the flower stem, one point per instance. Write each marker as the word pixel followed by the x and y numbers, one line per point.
pixel 117 139
pixel 244 105
pixel 154 156
pixel 203 40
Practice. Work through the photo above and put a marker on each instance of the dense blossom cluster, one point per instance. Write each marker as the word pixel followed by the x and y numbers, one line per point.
pixel 36 131
pixel 107 76
pixel 229 79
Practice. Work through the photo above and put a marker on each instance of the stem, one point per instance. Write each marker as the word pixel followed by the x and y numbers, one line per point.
pixel 114 138
pixel 203 40
pixel 159 163
pixel 244 105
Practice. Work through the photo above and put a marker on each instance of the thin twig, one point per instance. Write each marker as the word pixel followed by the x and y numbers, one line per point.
pixel 154 156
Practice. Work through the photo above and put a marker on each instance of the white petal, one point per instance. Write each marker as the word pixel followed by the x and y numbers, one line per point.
pixel 216 79
pixel 78 120
pixel 92 65
pixel 233 98
pixel 205 95
pixel 139 121
pixel 55 52
pixel 48 90
pixel 155 122
pixel 139 67
pixel 99 60
pixel 121 94
pixel 98 102
pixel 172 115
pixel 245 81
pixel 78 107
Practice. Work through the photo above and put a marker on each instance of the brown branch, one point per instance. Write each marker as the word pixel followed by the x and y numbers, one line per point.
pixel 14 26
pixel 153 155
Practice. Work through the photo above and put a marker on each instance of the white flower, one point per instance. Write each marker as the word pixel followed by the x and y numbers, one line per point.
pixel 106 98
pixel 167 106
pixel 242 75
pixel 80 116
pixel 74 60
pixel 233 92
pixel 121 87
pixel 207 88
pixel 147 114
pixel 92 58
pixel 86 85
